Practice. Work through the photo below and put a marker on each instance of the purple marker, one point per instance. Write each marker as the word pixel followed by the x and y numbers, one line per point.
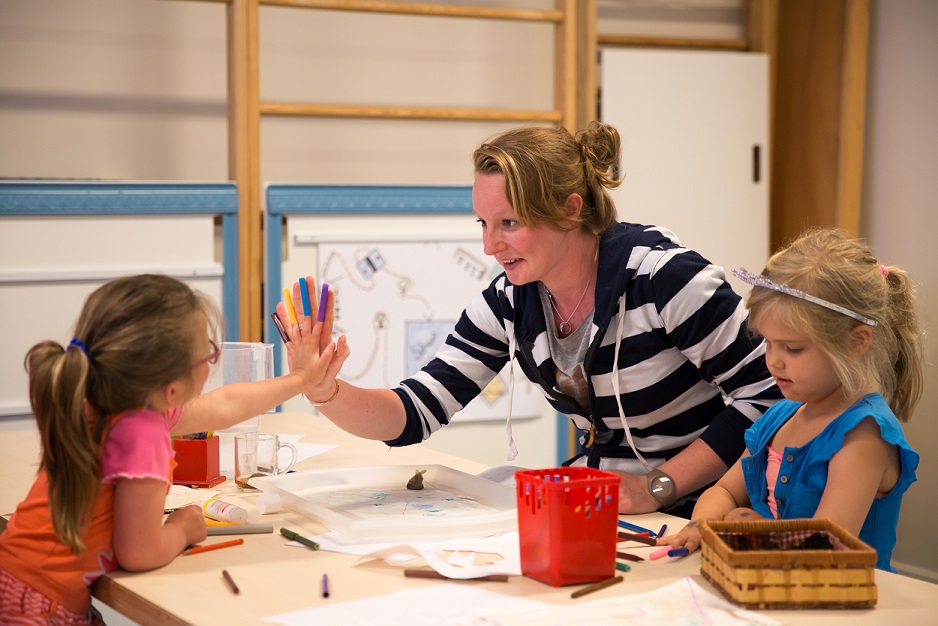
pixel 323 298
pixel 325 585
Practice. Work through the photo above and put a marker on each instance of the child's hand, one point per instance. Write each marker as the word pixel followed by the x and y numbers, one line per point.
pixel 688 537
pixel 191 521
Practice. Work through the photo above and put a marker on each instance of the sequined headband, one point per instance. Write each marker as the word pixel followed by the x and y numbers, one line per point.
pixel 758 280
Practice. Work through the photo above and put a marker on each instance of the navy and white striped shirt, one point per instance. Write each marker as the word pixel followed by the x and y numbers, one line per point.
pixel 686 364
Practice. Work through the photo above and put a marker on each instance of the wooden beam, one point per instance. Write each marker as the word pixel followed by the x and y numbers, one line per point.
pixel 401 112
pixel 672 42
pixel 243 161
pixel 423 8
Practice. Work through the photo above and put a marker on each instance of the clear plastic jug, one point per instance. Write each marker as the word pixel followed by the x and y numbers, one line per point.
pixel 239 362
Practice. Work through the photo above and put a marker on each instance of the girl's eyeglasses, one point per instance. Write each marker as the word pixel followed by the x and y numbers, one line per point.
pixel 211 359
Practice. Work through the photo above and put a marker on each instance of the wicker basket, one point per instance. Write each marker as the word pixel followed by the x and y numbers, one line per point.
pixel 770 564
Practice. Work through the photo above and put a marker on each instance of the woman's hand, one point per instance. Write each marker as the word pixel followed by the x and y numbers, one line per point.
pixel 633 494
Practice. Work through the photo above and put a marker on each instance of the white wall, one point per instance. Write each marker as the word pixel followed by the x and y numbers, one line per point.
pixel 901 222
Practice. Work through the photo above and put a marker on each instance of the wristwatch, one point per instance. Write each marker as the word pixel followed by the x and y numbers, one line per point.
pixel 661 488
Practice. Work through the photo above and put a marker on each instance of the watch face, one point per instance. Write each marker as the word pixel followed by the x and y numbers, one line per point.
pixel 661 487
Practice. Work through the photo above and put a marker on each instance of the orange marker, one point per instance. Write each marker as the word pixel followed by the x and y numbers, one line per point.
pixel 288 303
pixel 213 546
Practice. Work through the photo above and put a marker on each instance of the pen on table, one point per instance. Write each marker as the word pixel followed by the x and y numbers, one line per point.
pixel 289 534
pixel 288 305
pixel 635 528
pixel 230 581
pixel 325 585
pixel 648 541
pixel 668 551
pixel 304 294
pixel 625 567
pixel 323 298
pixel 628 556
pixel 663 530
pixel 238 529
pixel 430 573
pixel 213 546
pixel 596 586
pixel 280 328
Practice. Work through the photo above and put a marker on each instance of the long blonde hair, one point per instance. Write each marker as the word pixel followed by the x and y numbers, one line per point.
pixel 544 165
pixel 134 335
pixel 828 264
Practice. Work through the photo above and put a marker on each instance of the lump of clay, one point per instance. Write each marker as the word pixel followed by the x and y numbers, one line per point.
pixel 416 482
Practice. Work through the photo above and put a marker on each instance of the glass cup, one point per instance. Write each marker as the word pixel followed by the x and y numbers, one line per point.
pixel 258 454
pixel 239 362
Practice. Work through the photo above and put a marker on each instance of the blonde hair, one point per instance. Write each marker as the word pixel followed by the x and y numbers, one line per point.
pixel 835 267
pixel 544 165
pixel 137 334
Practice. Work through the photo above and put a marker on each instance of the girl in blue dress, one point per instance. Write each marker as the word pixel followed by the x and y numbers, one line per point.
pixel 844 345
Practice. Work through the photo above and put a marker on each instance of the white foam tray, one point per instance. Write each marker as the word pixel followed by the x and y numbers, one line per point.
pixel 372 504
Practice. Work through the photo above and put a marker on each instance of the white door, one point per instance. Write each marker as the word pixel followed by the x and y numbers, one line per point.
pixel 694 129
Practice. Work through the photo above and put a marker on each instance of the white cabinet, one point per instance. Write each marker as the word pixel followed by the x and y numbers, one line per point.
pixel 694 128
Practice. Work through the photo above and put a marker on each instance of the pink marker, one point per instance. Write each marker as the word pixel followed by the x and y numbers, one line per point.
pixel 323 298
pixel 660 553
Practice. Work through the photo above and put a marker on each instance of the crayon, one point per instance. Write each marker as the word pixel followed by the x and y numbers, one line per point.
pixel 304 294
pixel 288 304
pixel 212 546
pixel 596 586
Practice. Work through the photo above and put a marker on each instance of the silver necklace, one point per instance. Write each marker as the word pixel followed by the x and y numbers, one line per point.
pixel 565 327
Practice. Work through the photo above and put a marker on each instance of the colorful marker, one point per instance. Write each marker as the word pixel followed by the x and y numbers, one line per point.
pixel 323 298
pixel 637 529
pixel 678 552
pixel 596 587
pixel 288 304
pixel 325 585
pixel 660 553
pixel 230 581
pixel 280 328
pixel 214 546
pixel 289 534
pixel 304 293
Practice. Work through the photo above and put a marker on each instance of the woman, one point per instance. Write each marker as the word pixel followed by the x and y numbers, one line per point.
pixel 639 341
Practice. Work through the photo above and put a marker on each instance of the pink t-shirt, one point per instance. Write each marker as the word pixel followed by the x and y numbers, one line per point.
pixel 137 446
pixel 773 465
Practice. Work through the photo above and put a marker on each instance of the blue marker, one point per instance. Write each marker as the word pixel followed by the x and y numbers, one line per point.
pixel 323 298
pixel 304 292
pixel 678 552
pixel 635 528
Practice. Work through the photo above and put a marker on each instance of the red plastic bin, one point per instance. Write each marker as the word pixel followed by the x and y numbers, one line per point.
pixel 567 524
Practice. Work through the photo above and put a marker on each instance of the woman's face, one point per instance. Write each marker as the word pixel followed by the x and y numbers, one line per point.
pixel 527 253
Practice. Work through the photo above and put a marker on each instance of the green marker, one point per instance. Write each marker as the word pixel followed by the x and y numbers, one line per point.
pixel 289 534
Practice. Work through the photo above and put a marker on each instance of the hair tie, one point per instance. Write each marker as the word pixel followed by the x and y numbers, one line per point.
pixel 884 270
pixel 78 343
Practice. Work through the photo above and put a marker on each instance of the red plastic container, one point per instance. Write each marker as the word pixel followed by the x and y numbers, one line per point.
pixel 567 524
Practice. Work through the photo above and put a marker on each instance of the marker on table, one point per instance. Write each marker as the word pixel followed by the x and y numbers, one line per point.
pixel 596 586
pixel 304 294
pixel 325 585
pixel 323 298
pixel 288 304
pixel 635 528
pixel 628 556
pixel 432 573
pixel 213 546
pixel 625 567
pixel 648 541
pixel 663 530
pixel 289 534
pixel 230 581
pixel 668 551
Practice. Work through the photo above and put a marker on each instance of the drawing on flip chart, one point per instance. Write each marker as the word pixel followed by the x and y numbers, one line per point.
pixel 410 295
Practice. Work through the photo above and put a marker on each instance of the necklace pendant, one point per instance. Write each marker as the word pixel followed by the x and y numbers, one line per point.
pixel 589 444
pixel 565 329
